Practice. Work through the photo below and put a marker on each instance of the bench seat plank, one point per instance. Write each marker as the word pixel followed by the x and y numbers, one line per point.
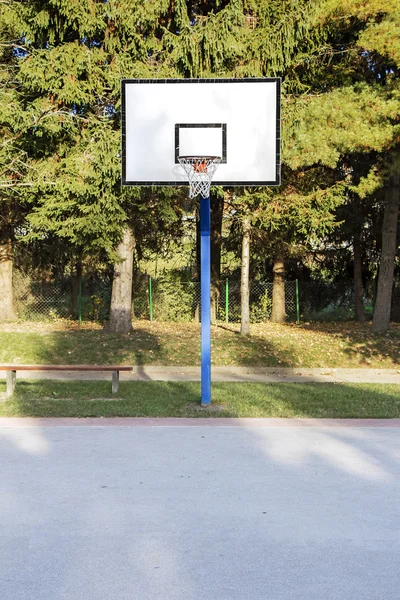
pixel 64 368
pixel 11 372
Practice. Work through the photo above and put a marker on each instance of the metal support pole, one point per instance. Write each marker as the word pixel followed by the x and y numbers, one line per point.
pixel 205 266
pixel 297 302
pixel 150 298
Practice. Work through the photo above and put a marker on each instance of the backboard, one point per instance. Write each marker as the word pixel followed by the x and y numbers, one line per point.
pixel 236 119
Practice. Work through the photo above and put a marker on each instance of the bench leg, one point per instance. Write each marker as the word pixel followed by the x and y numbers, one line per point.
pixel 115 382
pixel 11 377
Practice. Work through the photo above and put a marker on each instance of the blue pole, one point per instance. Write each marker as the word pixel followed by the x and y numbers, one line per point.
pixel 205 275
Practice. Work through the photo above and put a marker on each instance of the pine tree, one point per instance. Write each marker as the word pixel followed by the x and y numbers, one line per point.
pixel 65 59
pixel 16 166
pixel 75 55
pixel 355 108
pixel 70 67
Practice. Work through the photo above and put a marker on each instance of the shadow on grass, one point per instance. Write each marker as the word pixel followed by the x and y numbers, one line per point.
pixel 248 351
pixel 149 344
pixel 181 399
pixel 360 341
pixel 145 345
pixel 171 344
pixel 99 348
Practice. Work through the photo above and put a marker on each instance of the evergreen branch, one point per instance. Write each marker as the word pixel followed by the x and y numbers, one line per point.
pixel 14 45
pixel 14 161
pixel 13 184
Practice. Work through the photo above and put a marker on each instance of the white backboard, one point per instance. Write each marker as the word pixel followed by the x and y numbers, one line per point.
pixel 237 119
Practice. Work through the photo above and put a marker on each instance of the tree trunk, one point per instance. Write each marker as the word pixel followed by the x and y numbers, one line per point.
pixel 121 297
pixel 358 286
pixel 381 320
pixel 7 312
pixel 278 290
pixel 244 282
pixel 217 211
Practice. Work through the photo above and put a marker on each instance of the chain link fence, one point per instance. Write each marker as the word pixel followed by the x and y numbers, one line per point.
pixel 324 302
pixel 37 301
pixel 169 299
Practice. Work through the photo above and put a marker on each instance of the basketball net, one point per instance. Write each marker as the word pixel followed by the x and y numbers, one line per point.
pixel 200 171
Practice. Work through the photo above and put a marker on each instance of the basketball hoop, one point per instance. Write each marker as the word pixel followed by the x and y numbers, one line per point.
pixel 200 171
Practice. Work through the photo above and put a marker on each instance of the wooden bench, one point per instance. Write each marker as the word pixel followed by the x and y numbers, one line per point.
pixel 11 372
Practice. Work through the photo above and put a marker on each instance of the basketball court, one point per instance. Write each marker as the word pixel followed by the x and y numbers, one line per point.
pixel 193 512
pixel 204 509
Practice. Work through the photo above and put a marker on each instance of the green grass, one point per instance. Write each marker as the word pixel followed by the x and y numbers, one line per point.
pixel 325 345
pixel 181 399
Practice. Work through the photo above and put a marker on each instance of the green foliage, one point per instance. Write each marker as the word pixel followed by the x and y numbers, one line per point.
pixel 290 219
pixel 87 208
pixel 72 73
pixel 330 314
pixel 383 37
pixel 362 118
pixel 260 312
pixel 174 298
pixel 61 65
pixel 96 307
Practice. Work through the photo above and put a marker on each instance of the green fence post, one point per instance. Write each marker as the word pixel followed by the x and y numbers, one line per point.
pixel 297 302
pixel 226 300
pixel 80 300
pixel 150 298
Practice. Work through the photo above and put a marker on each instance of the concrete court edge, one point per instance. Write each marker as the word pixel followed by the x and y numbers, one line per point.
pixel 194 422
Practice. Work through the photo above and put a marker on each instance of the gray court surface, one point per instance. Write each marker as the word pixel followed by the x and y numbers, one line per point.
pixel 193 513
